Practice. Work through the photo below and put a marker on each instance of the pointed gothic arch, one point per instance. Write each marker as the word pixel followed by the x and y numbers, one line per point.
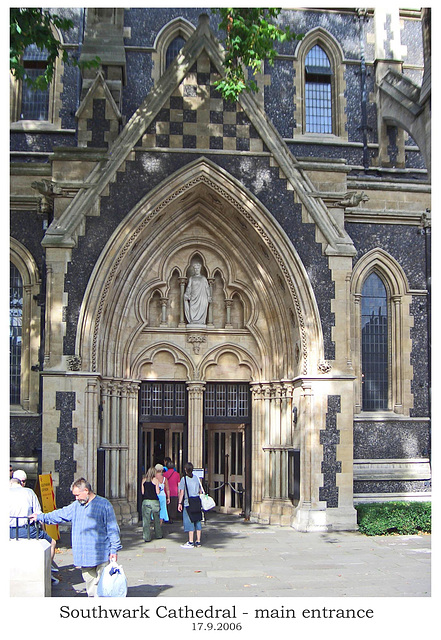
pixel 181 199
pixel 26 266
pixel 331 48
pixel 176 28
pixel 399 298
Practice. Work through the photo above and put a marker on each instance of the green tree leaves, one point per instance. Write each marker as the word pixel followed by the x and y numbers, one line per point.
pixel 251 35
pixel 36 26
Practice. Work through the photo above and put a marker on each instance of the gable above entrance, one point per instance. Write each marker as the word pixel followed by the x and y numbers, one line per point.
pixel 186 88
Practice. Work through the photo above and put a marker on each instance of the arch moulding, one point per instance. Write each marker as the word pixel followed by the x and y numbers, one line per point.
pixel 199 182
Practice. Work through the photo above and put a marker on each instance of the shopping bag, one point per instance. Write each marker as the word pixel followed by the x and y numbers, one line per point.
pixel 113 582
pixel 207 502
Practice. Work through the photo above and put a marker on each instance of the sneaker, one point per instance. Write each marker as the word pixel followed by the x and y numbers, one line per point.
pixel 187 545
pixel 197 544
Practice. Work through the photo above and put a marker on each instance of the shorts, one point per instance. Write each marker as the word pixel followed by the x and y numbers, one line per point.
pixel 188 524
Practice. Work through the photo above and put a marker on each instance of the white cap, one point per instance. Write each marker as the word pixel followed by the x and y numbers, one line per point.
pixel 19 475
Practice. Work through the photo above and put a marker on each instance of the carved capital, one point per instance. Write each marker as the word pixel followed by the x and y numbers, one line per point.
pixel 324 366
pixel 74 363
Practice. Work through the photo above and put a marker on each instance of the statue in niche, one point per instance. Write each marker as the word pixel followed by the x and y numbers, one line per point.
pixel 197 297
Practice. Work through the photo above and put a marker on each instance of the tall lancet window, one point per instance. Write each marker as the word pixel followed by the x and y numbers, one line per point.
pixel 15 333
pixel 374 343
pixel 318 91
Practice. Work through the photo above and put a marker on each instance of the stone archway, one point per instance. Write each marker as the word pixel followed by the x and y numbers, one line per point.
pixel 263 311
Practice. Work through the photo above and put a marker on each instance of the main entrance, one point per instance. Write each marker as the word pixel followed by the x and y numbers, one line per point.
pixel 226 445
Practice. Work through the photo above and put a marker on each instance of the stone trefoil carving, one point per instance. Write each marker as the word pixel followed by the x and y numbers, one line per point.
pixel 196 340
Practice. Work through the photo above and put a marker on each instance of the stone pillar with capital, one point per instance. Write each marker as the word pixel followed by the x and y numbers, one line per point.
pixel 195 422
pixel 119 439
pixel 210 304
pixel 182 285
pixel 228 305
pixel 164 305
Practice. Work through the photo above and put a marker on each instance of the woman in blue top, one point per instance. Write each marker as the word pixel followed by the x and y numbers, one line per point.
pixel 189 487
pixel 164 493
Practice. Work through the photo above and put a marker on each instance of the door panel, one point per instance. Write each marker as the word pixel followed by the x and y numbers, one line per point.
pixel 159 441
pixel 226 473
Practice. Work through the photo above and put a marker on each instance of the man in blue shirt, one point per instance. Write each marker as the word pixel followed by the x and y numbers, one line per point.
pixel 95 532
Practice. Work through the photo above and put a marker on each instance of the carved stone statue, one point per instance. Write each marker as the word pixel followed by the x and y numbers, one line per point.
pixel 353 199
pixel 197 297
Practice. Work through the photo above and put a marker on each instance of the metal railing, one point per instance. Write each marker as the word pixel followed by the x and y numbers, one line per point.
pixel 28 526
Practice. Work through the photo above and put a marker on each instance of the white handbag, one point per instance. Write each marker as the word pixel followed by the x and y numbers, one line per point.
pixel 207 501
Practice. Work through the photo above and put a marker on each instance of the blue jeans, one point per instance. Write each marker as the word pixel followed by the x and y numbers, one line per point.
pixel 23 533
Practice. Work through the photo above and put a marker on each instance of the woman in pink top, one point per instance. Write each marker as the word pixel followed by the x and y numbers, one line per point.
pixel 173 478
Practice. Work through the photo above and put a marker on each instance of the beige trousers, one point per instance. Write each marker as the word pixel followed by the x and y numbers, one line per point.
pixel 91 576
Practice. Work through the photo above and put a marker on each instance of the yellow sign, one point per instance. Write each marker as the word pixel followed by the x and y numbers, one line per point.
pixel 47 497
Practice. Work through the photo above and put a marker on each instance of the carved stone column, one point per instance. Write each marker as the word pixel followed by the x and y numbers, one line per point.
pixel 132 443
pixel 309 515
pixel 258 439
pixel 228 305
pixel 119 439
pixel 210 304
pixel 164 303
pixel 92 428
pixel 195 422
pixel 182 284
pixel 267 426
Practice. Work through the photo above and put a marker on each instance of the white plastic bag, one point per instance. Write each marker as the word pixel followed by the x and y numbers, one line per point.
pixel 207 501
pixel 113 582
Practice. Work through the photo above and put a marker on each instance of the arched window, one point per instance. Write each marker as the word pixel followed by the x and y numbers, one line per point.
pixel 318 92
pixel 24 329
pixel 34 102
pixel 15 334
pixel 168 42
pixel 381 330
pixel 36 108
pixel 173 49
pixel 320 103
pixel 374 344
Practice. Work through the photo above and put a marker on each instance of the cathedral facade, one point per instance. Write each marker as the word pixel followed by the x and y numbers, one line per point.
pixel 242 285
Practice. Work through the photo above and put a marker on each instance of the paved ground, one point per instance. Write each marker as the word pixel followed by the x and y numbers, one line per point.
pixel 239 558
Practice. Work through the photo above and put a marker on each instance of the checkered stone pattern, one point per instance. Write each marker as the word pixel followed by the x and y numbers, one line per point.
pixel 196 117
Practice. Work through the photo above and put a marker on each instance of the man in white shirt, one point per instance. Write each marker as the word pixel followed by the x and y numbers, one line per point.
pixel 22 503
